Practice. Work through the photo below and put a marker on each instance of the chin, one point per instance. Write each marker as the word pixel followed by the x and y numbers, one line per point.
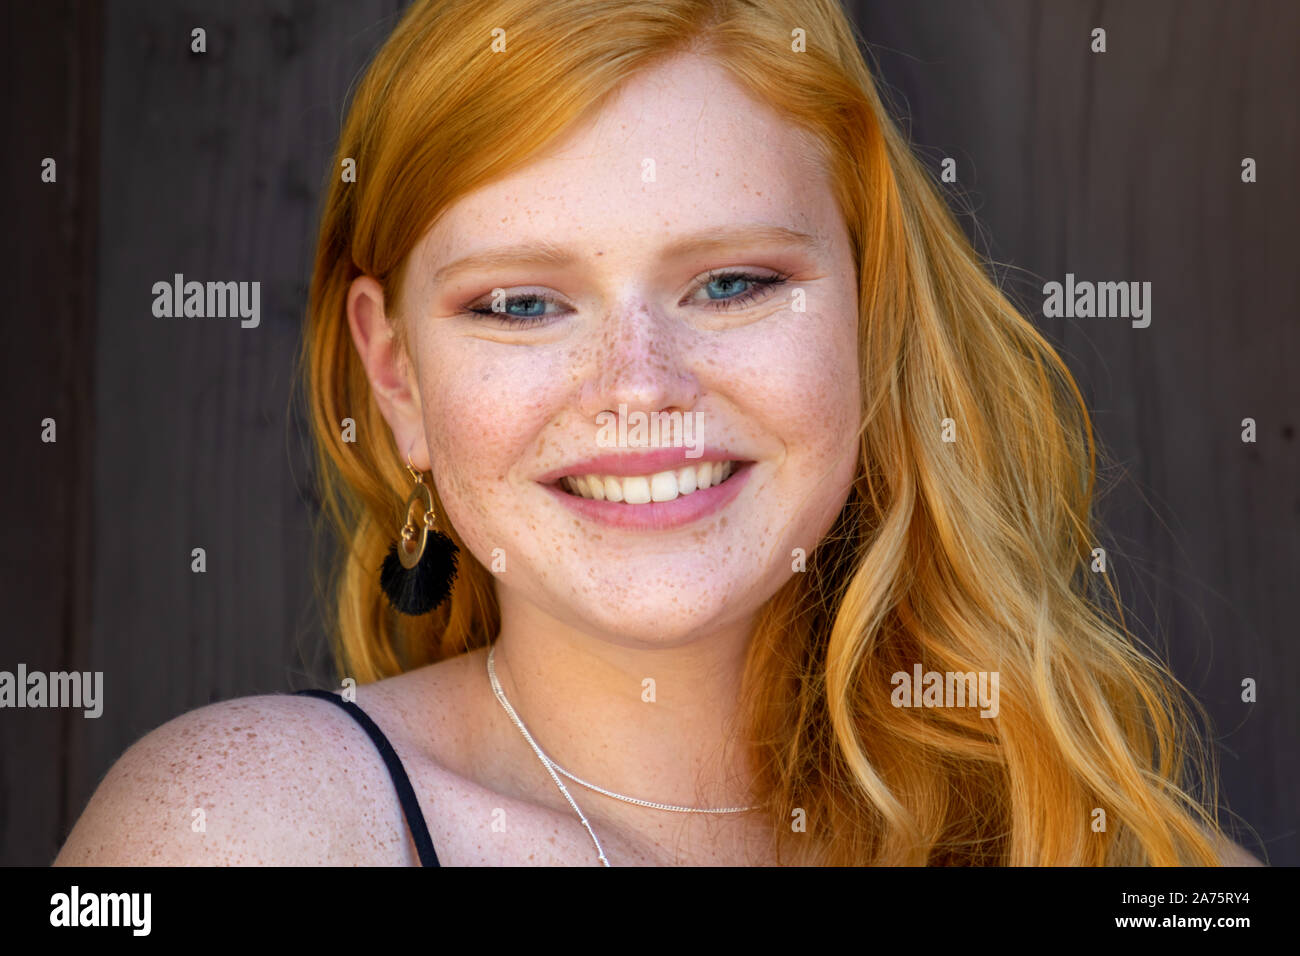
pixel 651 612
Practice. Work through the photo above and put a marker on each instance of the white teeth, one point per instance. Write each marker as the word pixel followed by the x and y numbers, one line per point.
pixel 663 486
pixel 636 490
pixel 642 489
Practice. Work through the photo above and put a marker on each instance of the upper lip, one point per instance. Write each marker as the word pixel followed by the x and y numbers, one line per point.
pixel 650 462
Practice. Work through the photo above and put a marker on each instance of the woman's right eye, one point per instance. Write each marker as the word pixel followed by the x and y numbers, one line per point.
pixel 520 309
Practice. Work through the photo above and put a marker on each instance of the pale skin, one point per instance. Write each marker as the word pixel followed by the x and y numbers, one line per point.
pixel 589 612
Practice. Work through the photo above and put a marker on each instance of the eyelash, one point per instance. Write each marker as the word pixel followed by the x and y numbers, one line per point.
pixel 759 285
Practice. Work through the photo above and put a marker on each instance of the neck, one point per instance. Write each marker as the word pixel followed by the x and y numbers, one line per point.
pixel 655 723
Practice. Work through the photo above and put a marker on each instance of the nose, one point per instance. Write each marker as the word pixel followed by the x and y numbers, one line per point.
pixel 638 361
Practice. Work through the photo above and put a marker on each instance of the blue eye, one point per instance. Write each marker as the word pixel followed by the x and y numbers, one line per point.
pixel 723 289
pixel 725 286
pixel 727 290
pixel 527 308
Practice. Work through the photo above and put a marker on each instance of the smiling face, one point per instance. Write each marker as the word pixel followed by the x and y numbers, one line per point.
pixel 651 263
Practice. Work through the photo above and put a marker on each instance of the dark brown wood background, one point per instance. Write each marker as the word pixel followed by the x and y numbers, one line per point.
pixel 176 434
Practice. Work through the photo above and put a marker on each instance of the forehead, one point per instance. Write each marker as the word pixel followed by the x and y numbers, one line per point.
pixel 678 148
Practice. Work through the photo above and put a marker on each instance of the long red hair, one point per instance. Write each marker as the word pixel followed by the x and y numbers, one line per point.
pixel 965 556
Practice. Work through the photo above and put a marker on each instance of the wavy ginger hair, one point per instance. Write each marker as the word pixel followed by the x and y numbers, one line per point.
pixel 965 556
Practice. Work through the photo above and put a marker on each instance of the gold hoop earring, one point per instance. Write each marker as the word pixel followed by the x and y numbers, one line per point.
pixel 420 568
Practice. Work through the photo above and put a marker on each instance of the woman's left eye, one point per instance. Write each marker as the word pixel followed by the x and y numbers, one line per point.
pixel 731 289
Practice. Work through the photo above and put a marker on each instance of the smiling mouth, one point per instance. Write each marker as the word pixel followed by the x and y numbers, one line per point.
pixel 659 487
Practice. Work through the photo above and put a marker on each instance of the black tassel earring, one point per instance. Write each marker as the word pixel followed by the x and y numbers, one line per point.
pixel 420 567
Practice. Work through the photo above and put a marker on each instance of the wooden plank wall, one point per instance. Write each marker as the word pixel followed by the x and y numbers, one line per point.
pixel 212 165
pixel 176 434
pixel 51 55
pixel 1126 165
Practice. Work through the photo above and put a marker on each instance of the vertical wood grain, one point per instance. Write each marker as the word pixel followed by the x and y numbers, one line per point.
pixel 212 166
pixel 50 53
pixel 1127 166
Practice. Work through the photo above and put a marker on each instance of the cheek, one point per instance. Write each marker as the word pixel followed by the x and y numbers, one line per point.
pixel 802 383
pixel 483 409
pixel 806 398
pixel 823 402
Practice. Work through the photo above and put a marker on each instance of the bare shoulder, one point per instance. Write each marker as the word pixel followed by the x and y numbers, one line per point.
pixel 296 781
pixel 274 779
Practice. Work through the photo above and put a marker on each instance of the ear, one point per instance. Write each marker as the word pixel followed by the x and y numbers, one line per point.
pixel 391 373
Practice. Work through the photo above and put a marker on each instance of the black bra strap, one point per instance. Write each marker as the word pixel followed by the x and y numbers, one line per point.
pixel 405 793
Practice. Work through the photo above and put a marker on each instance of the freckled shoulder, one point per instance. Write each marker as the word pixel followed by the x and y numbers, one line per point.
pixel 269 780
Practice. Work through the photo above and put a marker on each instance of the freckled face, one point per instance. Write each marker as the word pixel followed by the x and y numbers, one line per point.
pixel 635 316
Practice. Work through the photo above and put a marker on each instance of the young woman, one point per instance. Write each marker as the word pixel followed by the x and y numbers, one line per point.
pixel 550 225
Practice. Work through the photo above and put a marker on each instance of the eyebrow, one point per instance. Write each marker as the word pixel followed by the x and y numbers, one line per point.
pixel 546 253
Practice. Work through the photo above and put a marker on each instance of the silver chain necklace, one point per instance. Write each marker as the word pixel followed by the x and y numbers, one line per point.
pixel 552 767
